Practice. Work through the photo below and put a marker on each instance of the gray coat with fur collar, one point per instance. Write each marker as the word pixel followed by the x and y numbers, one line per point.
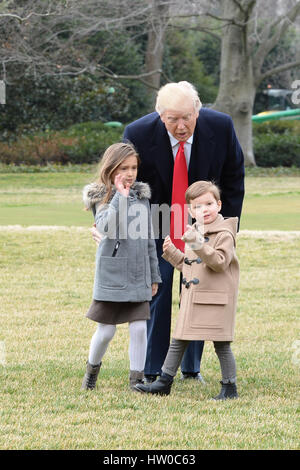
pixel 126 260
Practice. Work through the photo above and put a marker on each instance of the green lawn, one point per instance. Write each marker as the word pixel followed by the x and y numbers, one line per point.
pixel 271 203
pixel 46 287
pixel 43 199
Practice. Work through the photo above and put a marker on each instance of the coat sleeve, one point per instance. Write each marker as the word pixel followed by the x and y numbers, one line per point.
pixel 174 257
pixel 108 218
pixel 232 177
pixel 219 257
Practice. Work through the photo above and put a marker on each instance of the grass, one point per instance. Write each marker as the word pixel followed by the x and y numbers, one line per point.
pixel 44 199
pixel 272 201
pixel 46 286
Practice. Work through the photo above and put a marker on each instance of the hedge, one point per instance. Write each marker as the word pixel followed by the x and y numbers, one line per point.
pixel 81 143
pixel 276 143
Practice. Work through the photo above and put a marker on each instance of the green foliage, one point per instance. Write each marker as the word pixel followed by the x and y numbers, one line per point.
pixel 277 143
pixel 182 61
pixel 124 55
pixel 285 51
pixel 277 127
pixel 56 103
pixel 92 139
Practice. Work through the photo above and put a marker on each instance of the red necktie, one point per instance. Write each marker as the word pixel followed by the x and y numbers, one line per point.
pixel 179 216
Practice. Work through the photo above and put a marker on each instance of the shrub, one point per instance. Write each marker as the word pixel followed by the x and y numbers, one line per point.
pixel 82 143
pixel 36 150
pixel 277 127
pixel 277 143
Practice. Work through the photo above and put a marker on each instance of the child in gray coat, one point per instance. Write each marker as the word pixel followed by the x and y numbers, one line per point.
pixel 127 273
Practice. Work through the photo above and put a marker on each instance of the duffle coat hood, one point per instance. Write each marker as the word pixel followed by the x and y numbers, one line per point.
pixel 210 284
pixel 126 259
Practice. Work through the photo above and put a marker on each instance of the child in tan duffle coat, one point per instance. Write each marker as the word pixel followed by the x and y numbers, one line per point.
pixel 210 277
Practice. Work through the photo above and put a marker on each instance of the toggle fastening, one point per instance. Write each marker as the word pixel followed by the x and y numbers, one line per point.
pixel 190 261
pixel 187 284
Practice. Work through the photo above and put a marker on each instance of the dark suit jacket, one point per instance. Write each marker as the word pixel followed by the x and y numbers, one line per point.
pixel 216 155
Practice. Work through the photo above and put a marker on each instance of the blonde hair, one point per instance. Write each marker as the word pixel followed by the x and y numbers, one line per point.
pixel 201 187
pixel 113 156
pixel 172 95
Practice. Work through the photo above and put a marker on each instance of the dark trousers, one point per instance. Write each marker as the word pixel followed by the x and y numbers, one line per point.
pixel 159 326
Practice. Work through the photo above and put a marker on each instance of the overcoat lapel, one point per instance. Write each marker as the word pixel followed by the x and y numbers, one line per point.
pixel 162 154
pixel 202 151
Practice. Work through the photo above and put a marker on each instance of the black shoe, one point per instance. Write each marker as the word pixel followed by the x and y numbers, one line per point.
pixel 228 390
pixel 162 386
pixel 148 379
pixel 192 375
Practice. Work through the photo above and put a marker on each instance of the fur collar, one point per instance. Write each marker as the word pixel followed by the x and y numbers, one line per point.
pixel 94 193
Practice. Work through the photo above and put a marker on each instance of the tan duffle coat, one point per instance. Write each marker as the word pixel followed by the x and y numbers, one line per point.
pixel 208 303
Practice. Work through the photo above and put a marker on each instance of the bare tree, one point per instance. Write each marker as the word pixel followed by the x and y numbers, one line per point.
pixel 155 44
pixel 247 39
pixel 248 30
pixel 53 36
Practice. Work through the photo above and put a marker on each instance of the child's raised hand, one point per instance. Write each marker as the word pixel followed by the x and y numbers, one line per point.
pixel 122 187
pixel 167 243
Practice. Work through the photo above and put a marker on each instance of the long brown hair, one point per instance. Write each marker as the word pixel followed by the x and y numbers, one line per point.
pixel 113 156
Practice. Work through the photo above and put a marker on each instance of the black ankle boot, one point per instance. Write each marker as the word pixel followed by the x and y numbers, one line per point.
pixel 161 386
pixel 90 377
pixel 228 390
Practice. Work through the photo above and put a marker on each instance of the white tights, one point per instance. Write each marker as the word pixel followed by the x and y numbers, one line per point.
pixel 137 344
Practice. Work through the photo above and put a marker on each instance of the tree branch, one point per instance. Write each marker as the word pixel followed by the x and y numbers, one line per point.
pixel 238 4
pixel 136 77
pixel 227 20
pixel 278 69
pixel 201 28
pixel 269 39
pixel 19 18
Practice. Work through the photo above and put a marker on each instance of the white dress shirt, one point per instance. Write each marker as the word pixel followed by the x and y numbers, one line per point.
pixel 187 147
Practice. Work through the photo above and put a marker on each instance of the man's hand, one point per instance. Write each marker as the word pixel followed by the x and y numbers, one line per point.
pixel 96 235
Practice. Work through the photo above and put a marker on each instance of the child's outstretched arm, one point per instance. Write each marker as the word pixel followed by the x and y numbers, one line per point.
pixel 172 254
